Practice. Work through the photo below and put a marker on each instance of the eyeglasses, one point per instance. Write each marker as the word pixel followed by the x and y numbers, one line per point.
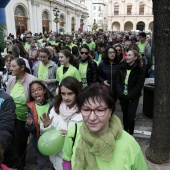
pixel 118 50
pixel 111 52
pixel 37 90
pixel 9 52
pixel 28 37
pixel 86 53
pixel 98 111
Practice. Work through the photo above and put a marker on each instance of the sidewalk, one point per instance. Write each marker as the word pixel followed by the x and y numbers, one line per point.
pixel 143 127
pixel 143 130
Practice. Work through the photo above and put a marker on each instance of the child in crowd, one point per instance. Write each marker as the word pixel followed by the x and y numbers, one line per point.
pixel 38 105
pixel 64 113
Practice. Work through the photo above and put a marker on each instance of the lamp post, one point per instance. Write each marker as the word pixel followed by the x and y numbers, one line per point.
pixel 56 14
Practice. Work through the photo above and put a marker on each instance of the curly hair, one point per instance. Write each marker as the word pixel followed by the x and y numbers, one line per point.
pixel 105 54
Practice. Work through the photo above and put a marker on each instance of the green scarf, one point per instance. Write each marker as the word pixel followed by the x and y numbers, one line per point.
pixel 101 146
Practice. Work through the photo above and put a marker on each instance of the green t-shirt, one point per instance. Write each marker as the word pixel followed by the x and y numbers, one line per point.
pixel 55 43
pixel 41 110
pixel 91 45
pixel 19 97
pixel 83 71
pixel 71 45
pixel 27 46
pixel 141 47
pixel 126 82
pixel 127 154
pixel 72 71
pixel 42 71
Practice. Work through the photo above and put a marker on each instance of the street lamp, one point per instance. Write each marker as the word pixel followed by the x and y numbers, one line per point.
pixel 56 14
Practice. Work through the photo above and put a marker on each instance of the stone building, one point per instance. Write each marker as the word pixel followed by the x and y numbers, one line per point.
pixel 126 15
pixel 98 12
pixel 37 16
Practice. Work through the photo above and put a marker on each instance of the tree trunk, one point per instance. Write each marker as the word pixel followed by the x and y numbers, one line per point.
pixel 159 148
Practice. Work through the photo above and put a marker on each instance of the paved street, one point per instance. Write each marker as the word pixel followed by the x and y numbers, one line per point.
pixel 143 128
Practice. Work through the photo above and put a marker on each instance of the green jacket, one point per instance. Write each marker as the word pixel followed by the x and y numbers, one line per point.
pixel 72 71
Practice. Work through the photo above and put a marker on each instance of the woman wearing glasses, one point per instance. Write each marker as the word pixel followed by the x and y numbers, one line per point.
pixel 87 67
pixel 108 68
pixel 119 50
pixel 100 142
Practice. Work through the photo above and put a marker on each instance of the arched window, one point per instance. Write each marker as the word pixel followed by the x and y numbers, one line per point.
pixel 45 21
pixel 45 15
pixel 20 20
pixel 116 9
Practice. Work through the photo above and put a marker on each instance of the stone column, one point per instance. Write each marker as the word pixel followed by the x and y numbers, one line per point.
pixel 3 27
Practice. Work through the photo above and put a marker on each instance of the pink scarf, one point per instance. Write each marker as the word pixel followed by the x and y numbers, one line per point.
pixel 66 112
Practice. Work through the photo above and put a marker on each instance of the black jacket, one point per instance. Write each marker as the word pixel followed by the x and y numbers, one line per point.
pixel 7 127
pixel 108 72
pixel 91 73
pixel 135 81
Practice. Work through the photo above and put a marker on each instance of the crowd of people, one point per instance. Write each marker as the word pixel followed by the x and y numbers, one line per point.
pixel 71 82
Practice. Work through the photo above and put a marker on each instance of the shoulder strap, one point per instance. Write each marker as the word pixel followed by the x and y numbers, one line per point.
pixel 75 133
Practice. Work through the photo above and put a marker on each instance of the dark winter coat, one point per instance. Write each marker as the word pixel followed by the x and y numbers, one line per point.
pixel 135 81
pixel 108 72
pixel 91 73
pixel 7 127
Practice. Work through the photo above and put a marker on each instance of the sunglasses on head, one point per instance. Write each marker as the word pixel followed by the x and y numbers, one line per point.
pixel 86 53
pixel 28 37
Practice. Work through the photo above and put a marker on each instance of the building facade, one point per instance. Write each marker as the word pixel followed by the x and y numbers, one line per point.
pixel 126 15
pixel 98 12
pixel 37 16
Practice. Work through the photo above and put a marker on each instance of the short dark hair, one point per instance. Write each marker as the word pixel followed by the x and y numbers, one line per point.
pixel 85 46
pixel 142 34
pixel 97 92
pixel 100 44
pixel 72 84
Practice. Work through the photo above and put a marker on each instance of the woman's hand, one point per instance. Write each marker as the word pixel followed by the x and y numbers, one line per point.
pixel 106 83
pixel 63 132
pixel 46 120
pixel 29 120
